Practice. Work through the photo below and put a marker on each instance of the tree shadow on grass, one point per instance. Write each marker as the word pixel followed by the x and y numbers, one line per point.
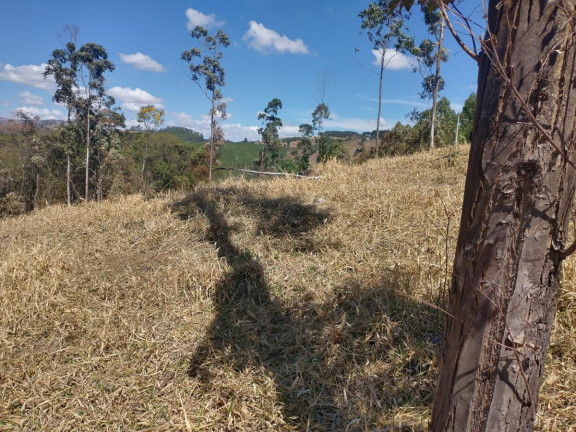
pixel 335 365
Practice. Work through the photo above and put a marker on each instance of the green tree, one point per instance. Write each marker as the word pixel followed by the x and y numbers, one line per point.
pixel 91 63
pixel 385 28
pixel 518 198
pixel 330 148
pixel 270 154
pixel 61 67
pixel 446 120
pixel 305 145
pixel 151 119
pixel 431 54
pixel 207 72
pixel 467 118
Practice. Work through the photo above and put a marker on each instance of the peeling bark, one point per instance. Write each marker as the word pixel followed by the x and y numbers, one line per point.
pixel 517 201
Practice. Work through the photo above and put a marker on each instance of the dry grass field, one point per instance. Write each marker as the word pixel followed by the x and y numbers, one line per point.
pixel 265 305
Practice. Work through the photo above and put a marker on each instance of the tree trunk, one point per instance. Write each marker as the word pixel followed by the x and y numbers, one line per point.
pixel 377 155
pixel 517 203
pixel 436 84
pixel 211 139
pixel 144 186
pixel 457 129
pixel 68 194
pixel 87 155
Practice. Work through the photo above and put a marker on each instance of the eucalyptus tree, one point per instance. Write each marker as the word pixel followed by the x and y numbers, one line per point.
pixel 79 75
pixel 207 72
pixel 518 197
pixel 385 28
pixel 430 54
pixel 270 154
pixel 61 67
pixel 91 63
pixel 321 113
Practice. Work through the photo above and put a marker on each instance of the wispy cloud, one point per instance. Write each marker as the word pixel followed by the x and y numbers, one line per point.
pixel 394 60
pixel 134 99
pixel 31 99
pixel 354 124
pixel 30 75
pixel 197 18
pixel 142 61
pixel 268 41
pixel 412 103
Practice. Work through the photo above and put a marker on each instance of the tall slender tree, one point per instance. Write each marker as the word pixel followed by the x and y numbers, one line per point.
pixel 91 63
pixel 384 25
pixel 207 72
pixel 518 198
pixel 60 66
pixel 435 22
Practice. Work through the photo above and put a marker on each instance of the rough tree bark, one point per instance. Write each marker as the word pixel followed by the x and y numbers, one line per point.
pixel 517 203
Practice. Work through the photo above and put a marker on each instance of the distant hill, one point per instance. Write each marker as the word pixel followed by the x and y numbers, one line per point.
pixel 185 134
pixel 343 134
pixel 11 125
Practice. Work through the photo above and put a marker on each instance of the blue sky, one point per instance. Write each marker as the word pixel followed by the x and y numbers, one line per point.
pixel 279 49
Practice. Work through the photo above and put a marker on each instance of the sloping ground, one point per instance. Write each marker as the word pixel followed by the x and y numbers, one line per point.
pixel 278 305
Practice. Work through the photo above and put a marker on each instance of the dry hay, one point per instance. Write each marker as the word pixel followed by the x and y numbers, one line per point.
pixel 277 305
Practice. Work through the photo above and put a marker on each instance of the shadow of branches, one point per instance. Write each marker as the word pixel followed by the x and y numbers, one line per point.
pixel 338 365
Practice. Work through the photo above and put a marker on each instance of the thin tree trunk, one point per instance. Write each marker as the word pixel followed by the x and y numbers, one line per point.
pixel 68 192
pixel 87 154
pixel 436 84
pixel 517 202
pixel 211 139
pixel 144 167
pixel 379 105
pixel 457 129
pixel 36 191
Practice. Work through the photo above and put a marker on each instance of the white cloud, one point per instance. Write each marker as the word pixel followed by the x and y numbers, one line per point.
pixel 197 18
pixel 237 132
pixel 134 99
pixel 267 41
pixel 142 61
pixel 131 123
pixel 43 113
pixel 393 60
pixel 288 131
pixel 30 75
pixel 408 102
pixel 30 98
pixel 456 106
pixel 201 125
pixel 5 103
pixel 232 131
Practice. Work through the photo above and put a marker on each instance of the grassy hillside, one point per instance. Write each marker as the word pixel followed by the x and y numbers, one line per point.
pixel 277 305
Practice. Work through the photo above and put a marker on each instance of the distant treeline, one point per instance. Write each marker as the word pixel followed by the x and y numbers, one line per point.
pixel 33 162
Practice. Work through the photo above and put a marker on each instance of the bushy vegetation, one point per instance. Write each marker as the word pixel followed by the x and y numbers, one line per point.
pixel 33 164
pixel 405 139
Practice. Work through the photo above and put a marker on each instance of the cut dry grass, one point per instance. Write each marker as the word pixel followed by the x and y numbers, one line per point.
pixel 277 305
